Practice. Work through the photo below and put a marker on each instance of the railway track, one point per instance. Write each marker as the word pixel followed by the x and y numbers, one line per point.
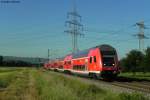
pixel 132 84
pixel 136 86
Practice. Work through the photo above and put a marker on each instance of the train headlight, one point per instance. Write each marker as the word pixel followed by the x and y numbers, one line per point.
pixel 113 64
pixel 104 64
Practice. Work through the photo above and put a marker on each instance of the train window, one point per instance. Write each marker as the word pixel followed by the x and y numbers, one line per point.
pixel 108 61
pixel 90 59
pixel 69 62
pixel 83 67
pixel 74 67
pixel 108 52
pixel 65 62
pixel 94 58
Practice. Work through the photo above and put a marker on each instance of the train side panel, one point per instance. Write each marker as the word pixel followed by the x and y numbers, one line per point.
pixel 80 65
pixel 94 61
pixel 67 63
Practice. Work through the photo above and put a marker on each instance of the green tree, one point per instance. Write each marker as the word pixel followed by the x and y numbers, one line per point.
pixel 124 65
pixel 146 62
pixel 1 60
pixel 133 61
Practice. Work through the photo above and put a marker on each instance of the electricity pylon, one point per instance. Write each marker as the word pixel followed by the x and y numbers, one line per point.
pixel 74 27
pixel 141 35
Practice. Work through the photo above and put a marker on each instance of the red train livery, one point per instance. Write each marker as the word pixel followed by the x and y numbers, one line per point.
pixel 99 61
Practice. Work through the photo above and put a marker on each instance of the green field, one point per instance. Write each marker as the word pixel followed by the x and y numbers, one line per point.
pixel 138 75
pixel 38 84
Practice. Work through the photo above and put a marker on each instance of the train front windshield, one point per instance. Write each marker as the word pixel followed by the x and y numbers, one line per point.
pixel 108 55
pixel 108 61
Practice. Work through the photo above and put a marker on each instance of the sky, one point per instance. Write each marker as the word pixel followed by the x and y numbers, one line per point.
pixel 31 27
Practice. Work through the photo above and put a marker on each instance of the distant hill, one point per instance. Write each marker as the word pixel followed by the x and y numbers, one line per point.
pixel 31 60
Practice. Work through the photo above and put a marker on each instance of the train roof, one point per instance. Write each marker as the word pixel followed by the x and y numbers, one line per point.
pixel 105 47
pixel 84 53
pixel 62 58
pixel 80 54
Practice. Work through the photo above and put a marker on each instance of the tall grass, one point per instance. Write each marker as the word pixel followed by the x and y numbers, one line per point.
pixel 9 69
pixel 6 79
pixel 51 86
pixel 17 88
pixel 134 96
pixel 34 84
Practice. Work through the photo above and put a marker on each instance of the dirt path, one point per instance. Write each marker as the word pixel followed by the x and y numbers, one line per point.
pixel 31 92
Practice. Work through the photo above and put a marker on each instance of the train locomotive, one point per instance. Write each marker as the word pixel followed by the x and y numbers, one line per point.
pixel 100 61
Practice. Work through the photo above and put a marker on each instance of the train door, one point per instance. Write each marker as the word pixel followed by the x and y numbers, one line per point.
pixel 92 65
pixel 86 64
pixel 94 61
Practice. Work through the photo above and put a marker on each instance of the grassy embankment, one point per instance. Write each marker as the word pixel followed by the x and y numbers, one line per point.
pixel 33 84
pixel 138 75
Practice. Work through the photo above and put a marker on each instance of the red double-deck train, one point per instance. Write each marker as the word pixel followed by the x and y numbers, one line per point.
pixel 99 61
